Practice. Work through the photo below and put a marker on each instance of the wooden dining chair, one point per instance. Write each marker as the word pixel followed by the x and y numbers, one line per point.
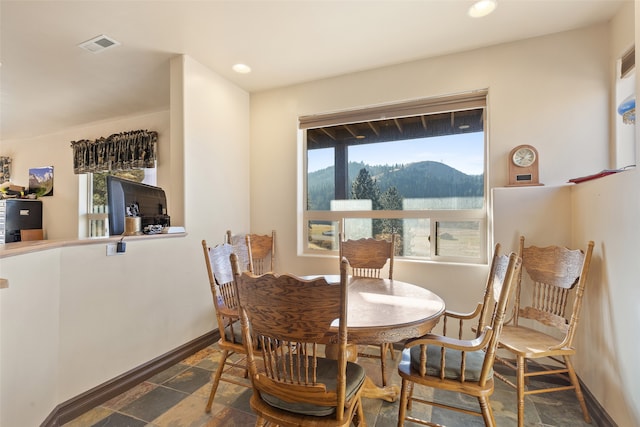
pixel 239 244
pixel 222 274
pixel 262 252
pixel 367 258
pixel 557 275
pixel 456 364
pixel 290 320
pixel 31 234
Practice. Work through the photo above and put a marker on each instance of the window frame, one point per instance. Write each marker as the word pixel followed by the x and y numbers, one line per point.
pixel 456 102
pixel 95 217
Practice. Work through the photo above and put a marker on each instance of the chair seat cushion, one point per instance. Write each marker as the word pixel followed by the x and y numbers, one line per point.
pixel 327 374
pixel 233 332
pixel 452 362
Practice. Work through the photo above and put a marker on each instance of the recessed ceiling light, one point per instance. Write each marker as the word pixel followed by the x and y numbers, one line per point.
pixel 241 68
pixel 482 8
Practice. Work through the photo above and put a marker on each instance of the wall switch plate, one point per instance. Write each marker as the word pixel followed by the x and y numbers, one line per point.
pixel 112 249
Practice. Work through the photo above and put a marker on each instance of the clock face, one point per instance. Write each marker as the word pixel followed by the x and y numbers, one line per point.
pixel 524 157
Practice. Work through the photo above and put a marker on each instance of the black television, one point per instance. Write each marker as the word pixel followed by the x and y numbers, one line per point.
pixel 126 197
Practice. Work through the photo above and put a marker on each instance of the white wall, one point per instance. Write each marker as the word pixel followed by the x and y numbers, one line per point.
pixel 75 318
pixel 542 214
pixel 29 339
pixel 607 211
pixel 81 318
pixel 216 153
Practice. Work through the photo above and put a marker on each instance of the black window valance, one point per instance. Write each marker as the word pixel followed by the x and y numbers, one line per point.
pixel 120 151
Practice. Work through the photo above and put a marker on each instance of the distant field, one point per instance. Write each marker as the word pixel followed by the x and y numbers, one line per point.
pixel 454 239
pixel 320 241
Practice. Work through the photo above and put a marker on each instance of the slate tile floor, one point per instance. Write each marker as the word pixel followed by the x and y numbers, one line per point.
pixel 177 396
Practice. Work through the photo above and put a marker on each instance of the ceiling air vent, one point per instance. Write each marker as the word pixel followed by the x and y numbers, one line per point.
pixel 98 44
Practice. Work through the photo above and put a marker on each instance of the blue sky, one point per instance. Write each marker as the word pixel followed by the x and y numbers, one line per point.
pixel 464 152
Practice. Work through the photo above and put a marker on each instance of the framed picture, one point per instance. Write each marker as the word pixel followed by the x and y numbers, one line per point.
pixel 41 181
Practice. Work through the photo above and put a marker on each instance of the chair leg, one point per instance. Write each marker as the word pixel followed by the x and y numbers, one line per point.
pixel 409 396
pixel 520 384
pixel 383 356
pixel 216 380
pixel 362 422
pixel 487 411
pixel 404 401
pixel 574 380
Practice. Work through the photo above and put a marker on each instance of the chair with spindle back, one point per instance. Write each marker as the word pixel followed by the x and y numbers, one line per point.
pixel 239 244
pixel 367 258
pixel 290 320
pixel 262 252
pixel 461 365
pixel 557 275
pixel 222 274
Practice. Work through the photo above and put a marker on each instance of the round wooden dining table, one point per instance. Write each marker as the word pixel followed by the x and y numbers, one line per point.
pixel 386 311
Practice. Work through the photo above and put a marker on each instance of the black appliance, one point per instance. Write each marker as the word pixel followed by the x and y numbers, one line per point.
pixel 150 204
pixel 16 215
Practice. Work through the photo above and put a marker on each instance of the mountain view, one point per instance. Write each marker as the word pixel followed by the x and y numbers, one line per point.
pixel 418 180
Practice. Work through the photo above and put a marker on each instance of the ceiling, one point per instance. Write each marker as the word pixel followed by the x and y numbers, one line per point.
pixel 420 126
pixel 47 83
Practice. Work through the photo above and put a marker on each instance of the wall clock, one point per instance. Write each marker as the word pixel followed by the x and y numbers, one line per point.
pixel 523 166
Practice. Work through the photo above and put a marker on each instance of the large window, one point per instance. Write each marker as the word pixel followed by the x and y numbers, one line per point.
pixel 416 169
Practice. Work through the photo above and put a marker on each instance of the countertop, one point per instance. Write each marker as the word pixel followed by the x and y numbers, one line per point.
pixel 20 248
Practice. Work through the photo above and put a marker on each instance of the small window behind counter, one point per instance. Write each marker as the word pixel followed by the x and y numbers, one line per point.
pixel 97 210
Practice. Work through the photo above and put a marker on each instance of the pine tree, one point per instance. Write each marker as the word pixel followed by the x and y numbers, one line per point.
pixel 392 200
pixel 364 187
pixel 100 183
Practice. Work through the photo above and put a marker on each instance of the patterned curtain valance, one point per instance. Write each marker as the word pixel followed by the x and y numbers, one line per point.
pixel 120 151
pixel 5 171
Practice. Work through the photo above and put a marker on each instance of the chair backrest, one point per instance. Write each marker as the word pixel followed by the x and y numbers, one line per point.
pixel 262 252
pixel 474 363
pixel 239 244
pixel 288 317
pixel 367 257
pixel 503 279
pixel 31 234
pixel 493 288
pixel 223 290
pixel 500 286
pixel 555 272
